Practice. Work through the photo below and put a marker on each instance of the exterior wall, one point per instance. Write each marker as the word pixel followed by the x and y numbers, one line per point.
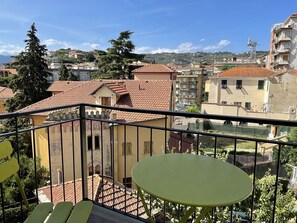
pixel 248 93
pixel 214 93
pixel 158 138
pixel 283 45
pixel 282 94
pixel 233 110
pixel 82 74
pixel 189 89
pixel 71 151
pixel 152 76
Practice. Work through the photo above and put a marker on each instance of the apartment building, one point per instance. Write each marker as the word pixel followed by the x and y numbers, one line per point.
pixel 190 84
pixel 253 92
pixel 283 45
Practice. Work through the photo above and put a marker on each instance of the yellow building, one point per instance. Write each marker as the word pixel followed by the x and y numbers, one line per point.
pixel 107 143
pixel 245 91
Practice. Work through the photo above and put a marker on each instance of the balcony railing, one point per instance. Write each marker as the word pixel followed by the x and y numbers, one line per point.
pixel 88 154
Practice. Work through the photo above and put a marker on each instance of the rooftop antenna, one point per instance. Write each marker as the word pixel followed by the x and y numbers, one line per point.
pixel 252 45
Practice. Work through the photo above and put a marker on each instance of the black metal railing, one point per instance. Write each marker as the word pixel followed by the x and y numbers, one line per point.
pixel 87 152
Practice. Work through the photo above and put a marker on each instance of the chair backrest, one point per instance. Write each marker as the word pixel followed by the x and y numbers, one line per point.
pixel 9 167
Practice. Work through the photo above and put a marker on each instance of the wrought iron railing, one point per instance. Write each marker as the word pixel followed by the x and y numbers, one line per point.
pixel 88 152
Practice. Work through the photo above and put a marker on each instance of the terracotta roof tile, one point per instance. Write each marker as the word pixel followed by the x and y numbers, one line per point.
pixel 64 85
pixel 106 192
pixel 73 189
pixel 153 94
pixel 11 71
pixel 245 72
pixel 6 93
pixel 118 88
pixel 153 68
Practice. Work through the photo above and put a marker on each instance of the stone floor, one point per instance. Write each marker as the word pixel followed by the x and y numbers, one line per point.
pixel 104 215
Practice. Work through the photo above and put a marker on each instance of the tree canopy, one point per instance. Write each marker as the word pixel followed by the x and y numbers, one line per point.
pixel 30 84
pixel 115 64
pixel 66 75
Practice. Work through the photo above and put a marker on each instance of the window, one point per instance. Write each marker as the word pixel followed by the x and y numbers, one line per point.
pixel 147 147
pixel 238 84
pixel 127 182
pixel 261 84
pixel 97 169
pixel 90 143
pixel 224 102
pixel 237 103
pixel 128 148
pixel 105 101
pixel 224 84
pixel 97 142
pixel 248 106
pixel 91 170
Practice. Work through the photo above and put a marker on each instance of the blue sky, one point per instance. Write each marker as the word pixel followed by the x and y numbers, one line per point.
pixel 158 25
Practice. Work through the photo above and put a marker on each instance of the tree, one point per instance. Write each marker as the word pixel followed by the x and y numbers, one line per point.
pixel 65 75
pixel 194 109
pixel 288 156
pixel 30 84
pixel 115 63
pixel 264 196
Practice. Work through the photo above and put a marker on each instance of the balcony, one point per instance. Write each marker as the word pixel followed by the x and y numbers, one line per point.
pixel 89 155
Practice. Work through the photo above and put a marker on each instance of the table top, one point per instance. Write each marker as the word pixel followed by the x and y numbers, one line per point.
pixel 192 180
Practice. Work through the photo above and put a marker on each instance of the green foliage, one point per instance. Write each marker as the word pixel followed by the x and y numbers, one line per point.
pixel 227 66
pixel 115 63
pixel 27 175
pixel 264 196
pixel 4 81
pixel 288 153
pixel 30 84
pixel 65 75
pixel 194 109
pixel 16 214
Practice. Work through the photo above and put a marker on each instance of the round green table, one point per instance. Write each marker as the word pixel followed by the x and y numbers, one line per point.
pixel 191 180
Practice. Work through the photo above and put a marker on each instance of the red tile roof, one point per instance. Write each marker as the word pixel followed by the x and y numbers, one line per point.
pixel 152 94
pixel 154 68
pixel 245 72
pixel 114 195
pixel 62 86
pixel 73 189
pixel 118 88
pixel 6 93
pixel 106 192
pixel 11 71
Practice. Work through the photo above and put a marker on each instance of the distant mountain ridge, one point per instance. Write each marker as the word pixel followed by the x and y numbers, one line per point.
pixel 5 59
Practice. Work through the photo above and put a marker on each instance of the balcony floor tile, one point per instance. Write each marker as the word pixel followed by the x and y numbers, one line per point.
pixel 103 215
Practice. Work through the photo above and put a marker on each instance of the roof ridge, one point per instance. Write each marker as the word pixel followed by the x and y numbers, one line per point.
pixel 53 96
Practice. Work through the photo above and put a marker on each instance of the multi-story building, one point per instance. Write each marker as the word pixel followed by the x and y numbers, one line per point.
pixel 144 94
pixel 81 71
pixel 283 45
pixel 190 85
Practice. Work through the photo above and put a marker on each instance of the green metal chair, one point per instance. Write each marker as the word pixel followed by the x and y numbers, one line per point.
pixel 61 213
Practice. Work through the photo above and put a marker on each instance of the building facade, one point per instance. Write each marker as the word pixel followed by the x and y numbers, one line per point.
pixel 283 45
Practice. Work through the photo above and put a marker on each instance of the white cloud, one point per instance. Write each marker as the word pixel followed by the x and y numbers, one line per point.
pixel 92 46
pixel 181 48
pixel 57 43
pixel 186 47
pixel 202 40
pixel 10 49
pixel 217 46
